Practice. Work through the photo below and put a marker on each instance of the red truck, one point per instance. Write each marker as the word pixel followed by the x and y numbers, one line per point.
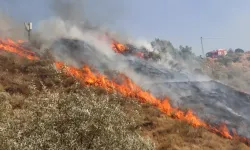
pixel 216 53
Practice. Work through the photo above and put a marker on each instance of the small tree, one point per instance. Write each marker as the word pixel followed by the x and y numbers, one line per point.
pixel 239 50
pixel 186 52
pixel 230 51
pixel 163 46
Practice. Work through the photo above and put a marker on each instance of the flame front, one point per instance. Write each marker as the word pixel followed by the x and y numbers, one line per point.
pixel 10 46
pixel 130 89
pixel 127 88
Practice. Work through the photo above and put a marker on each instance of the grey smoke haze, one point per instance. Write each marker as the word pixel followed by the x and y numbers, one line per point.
pixel 68 14
pixel 65 23
pixel 97 12
pixel 212 99
pixel 11 28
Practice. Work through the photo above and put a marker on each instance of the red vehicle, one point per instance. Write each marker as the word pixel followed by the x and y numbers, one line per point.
pixel 216 53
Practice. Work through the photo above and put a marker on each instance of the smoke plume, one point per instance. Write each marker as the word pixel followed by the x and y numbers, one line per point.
pixel 73 36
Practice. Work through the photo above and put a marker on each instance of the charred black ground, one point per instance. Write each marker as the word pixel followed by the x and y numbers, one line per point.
pixel 44 109
pixel 211 100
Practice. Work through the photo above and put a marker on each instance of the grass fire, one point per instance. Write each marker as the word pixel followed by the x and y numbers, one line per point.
pixel 89 77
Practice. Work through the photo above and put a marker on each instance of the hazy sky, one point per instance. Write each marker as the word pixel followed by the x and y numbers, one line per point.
pixel 179 21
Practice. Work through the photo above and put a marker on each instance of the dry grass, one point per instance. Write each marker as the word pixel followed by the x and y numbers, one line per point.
pixel 74 120
pixel 43 109
pixel 168 133
pixel 233 70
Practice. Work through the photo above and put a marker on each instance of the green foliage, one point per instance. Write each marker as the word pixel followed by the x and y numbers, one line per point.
pixel 236 59
pixel 230 53
pixel 164 46
pixel 186 52
pixel 228 59
pixel 154 56
pixel 239 50
pixel 225 60
pixel 186 49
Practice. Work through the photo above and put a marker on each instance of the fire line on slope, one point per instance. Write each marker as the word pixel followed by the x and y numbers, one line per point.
pixel 127 88
pixel 11 46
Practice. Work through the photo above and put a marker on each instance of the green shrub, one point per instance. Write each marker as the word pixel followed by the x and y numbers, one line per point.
pixel 225 60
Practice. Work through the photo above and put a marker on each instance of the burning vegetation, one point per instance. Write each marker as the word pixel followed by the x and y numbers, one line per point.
pixel 128 49
pixel 127 88
pixel 14 47
pixel 118 47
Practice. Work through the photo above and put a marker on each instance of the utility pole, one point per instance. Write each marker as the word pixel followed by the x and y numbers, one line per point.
pixel 28 27
pixel 202 48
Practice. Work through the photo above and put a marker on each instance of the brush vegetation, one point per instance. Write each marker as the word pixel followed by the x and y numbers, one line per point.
pixel 41 108
pixel 232 69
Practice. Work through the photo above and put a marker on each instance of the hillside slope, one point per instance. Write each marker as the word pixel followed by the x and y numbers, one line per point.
pixel 232 69
pixel 44 109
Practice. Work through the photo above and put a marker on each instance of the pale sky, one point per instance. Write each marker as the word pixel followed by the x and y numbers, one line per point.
pixel 179 21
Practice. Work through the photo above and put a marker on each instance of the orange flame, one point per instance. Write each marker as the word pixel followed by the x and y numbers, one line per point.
pixel 130 89
pixel 127 88
pixel 118 47
pixel 10 46
pixel 115 45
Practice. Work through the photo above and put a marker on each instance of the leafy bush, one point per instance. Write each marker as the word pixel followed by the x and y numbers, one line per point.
pixel 225 60
pixel 239 50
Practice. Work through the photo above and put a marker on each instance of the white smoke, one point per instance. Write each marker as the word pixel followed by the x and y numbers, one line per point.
pixel 99 55
pixel 71 20
pixel 139 43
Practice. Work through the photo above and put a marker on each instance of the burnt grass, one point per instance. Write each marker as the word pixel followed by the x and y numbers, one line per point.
pixel 42 108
